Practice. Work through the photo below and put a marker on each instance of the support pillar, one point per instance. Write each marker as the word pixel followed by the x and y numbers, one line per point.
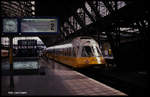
pixel 11 64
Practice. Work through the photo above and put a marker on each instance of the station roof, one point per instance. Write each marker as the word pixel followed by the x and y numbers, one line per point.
pixel 63 9
pixel 66 8
pixel 57 8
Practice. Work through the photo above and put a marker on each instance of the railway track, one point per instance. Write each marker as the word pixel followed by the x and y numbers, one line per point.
pixel 108 77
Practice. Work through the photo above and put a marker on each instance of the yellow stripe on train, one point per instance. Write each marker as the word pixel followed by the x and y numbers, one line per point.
pixel 77 62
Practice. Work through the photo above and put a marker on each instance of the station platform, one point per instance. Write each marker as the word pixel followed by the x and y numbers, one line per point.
pixel 58 80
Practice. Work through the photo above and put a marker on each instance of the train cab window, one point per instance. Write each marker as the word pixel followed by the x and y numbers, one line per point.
pixel 86 51
pixel 96 51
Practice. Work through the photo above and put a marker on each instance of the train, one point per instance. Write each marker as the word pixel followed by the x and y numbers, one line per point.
pixel 80 52
pixel 27 48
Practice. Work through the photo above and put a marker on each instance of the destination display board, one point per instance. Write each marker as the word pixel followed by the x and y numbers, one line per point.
pixel 39 26
pixel 29 26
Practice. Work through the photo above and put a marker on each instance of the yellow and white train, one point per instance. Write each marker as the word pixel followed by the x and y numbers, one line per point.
pixel 81 52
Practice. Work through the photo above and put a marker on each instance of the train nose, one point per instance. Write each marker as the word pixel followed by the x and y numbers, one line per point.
pixel 103 60
pixel 94 59
pixel 87 62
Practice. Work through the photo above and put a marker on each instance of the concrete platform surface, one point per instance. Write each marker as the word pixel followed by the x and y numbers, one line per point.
pixel 58 80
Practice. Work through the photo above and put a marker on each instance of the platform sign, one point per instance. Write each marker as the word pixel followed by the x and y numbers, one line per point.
pixel 10 25
pixel 33 26
pixel 39 26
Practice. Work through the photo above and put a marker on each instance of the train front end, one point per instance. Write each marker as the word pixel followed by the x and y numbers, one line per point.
pixel 90 54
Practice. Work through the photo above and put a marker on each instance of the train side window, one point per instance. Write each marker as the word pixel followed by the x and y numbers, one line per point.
pixel 55 52
pixel 64 52
pixel 59 51
pixel 69 51
pixel 73 52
